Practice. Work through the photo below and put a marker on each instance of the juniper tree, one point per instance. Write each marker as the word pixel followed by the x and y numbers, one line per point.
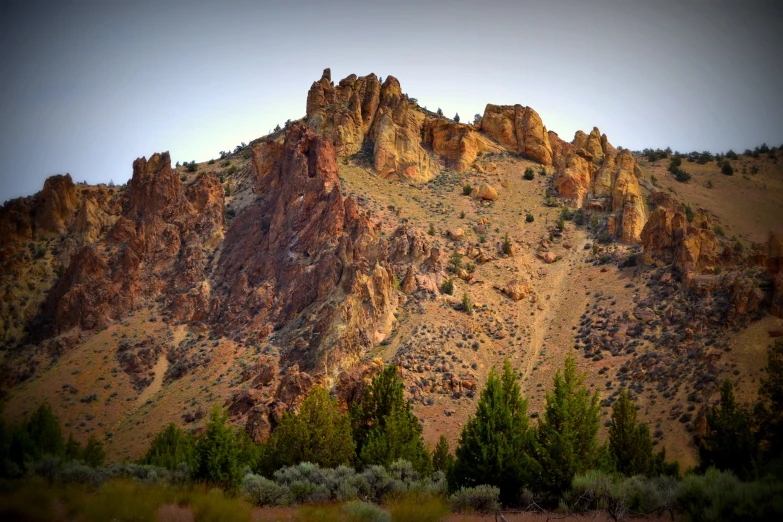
pixel 630 443
pixel 169 448
pixel 93 453
pixel 319 433
pixel 566 441
pixel 384 427
pixel 44 432
pixel 729 443
pixel 494 445
pixel 769 410
pixel 442 459
pixel 217 453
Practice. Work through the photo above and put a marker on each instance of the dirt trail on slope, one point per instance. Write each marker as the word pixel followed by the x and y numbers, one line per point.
pixel 157 382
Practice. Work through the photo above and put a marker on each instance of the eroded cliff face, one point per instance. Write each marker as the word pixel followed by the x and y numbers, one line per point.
pixel 156 248
pixel 302 247
pixel 519 129
pixel 597 177
pixel 360 112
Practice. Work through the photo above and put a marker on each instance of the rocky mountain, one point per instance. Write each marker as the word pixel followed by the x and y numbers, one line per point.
pixel 317 254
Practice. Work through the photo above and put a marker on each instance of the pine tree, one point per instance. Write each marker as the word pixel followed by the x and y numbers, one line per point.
pixel 442 459
pixel 456 118
pixel 73 449
pixel 319 433
pixel 769 410
pixel 384 427
pixel 566 441
pixel 93 453
pixel 217 453
pixel 494 445
pixel 630 442
pixel 44 431
pixel 170 448
pixel 729 443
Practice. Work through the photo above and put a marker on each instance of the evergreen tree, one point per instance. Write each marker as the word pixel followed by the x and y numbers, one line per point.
pixel 769 410
pixel 566 441
pixel 73 449
pixel 93 453
pixel 217 453
pixel 630 442
pixel 456 118
pixel 442 459
pixel 44 431
pixel 319 433
pixel 494 445
pixel 399 438
pixel 171 447
pixel 384 427
pixel 729 443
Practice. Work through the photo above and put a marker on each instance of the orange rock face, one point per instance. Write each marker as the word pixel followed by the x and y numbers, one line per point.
pixel 518 129
pixel 668 236
pixel 457 143
pixel 159 240
pixel 614 187
pixel 360 112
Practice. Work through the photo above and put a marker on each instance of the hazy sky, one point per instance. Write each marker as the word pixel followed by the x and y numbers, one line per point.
pixel 87 87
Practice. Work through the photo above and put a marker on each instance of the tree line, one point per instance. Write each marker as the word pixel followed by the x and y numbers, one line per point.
pixel 499 447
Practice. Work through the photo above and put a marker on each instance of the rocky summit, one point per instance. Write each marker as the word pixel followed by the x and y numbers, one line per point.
pixel 374 231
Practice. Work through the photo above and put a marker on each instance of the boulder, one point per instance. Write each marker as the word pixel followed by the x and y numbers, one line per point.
pixel 487 192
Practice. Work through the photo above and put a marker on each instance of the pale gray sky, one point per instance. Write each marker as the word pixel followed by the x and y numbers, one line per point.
pixel 89 86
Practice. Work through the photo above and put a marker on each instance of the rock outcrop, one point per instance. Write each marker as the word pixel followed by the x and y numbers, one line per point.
pixel 156 249
pixel 302 248
pixel 518 129
pixel 613 187
pixel 458 144
pixel 669 237
pixel 360 112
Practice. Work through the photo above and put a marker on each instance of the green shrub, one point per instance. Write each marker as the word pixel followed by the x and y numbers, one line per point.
pixel 263 492
pixel 727 169
pixel 506 247
pixel 480 499
pixel 721 496
pixel 431 230
pixel 455 262
pixel 467 304
pixel 447 287
pixel 529 174
pixel 529 218
pixel 358 511
pixel 191 167
pixel 689 214
pixel 466 189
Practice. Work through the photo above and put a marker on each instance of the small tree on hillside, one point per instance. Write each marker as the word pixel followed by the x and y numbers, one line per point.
pixel 495 443
pixel 320 433
pixel 44 432
pixel 729 443
pixel 566 442
pixel 476 119
pixel 727 169
pixel 217 453
pixel 630 443
pixel 384 427
pixel 442 459
pixel 456 117
pixel 769 410
pixel 171 447
pixel 439 112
